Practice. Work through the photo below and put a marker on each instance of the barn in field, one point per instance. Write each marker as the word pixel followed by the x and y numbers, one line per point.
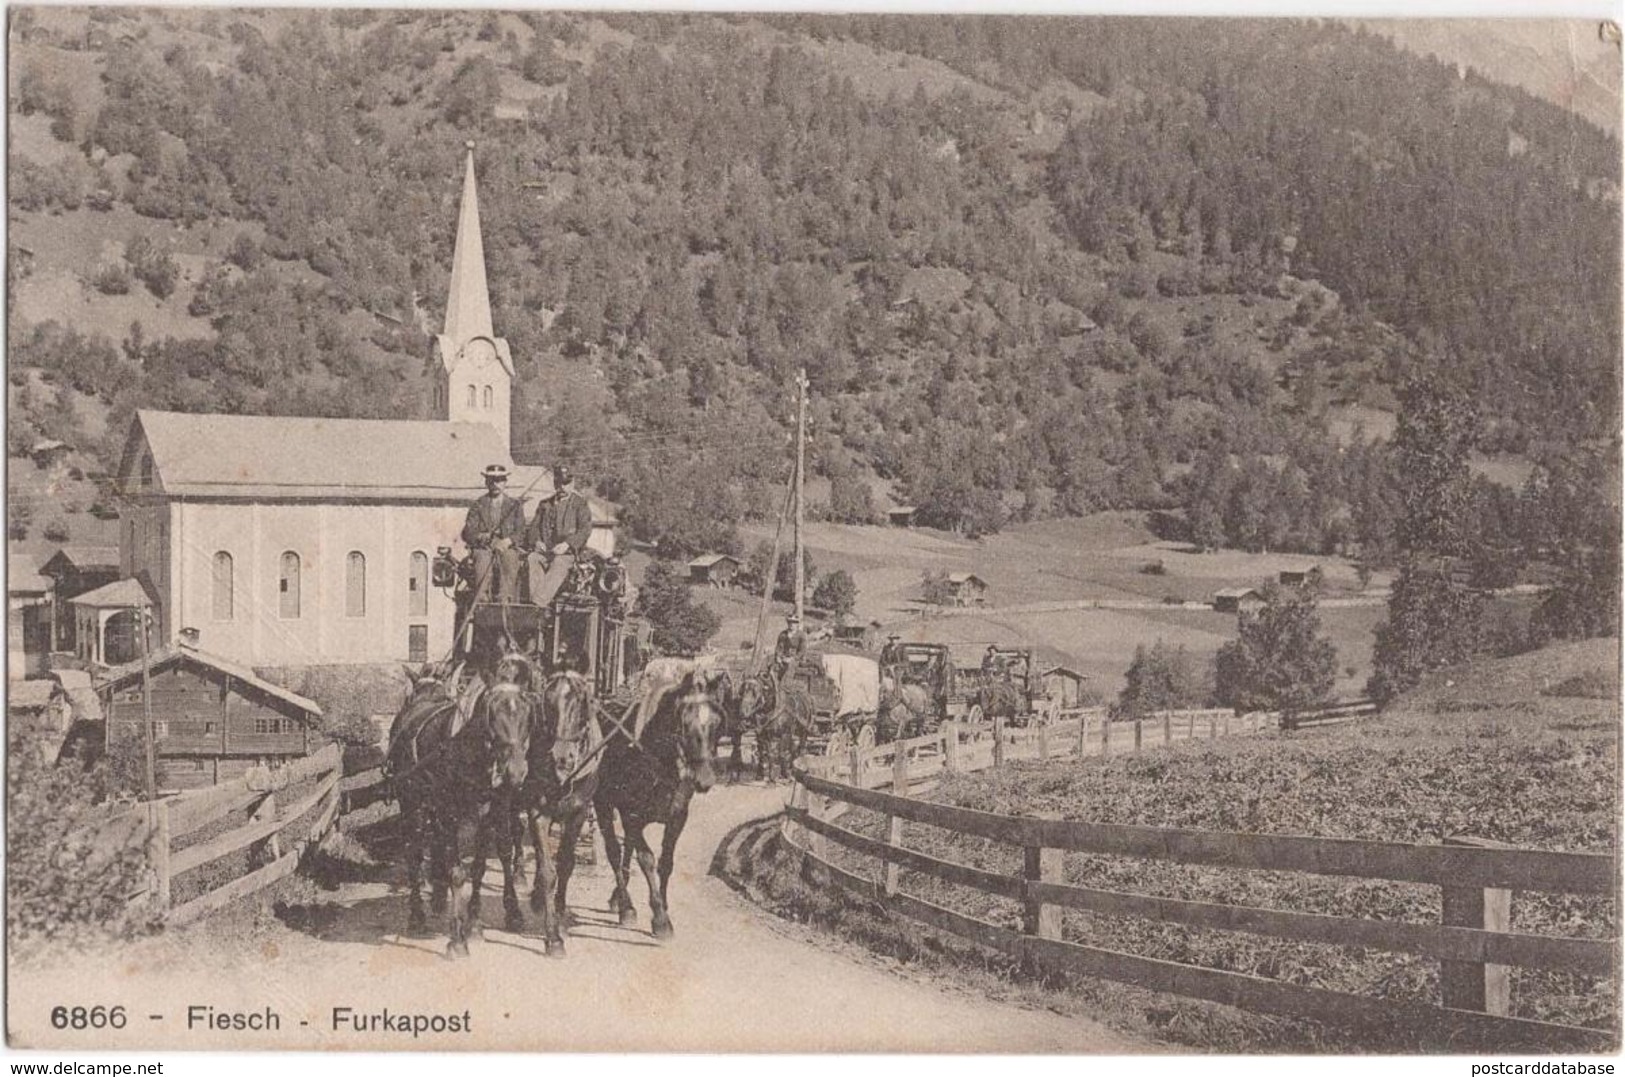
pixel 212 719
pixel 967 589
pixel 716 569
pixel 1238 600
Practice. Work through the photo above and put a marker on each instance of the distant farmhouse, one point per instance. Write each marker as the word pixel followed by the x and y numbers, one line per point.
pixel 716 569
pixel 1063 683
pixel 966 589
pixel 1238 600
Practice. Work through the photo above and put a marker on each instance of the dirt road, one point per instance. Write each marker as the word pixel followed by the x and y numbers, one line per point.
pixel 734 978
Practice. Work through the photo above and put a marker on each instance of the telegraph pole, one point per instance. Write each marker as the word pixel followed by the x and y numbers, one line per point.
pixel 801 478
pixel 146 714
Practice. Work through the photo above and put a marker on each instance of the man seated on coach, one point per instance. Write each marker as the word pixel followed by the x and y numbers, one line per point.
pixel 493 532
pixel 559 533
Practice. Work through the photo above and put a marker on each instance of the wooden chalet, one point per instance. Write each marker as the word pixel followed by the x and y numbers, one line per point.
pixel 1238 600
pixel 76 570
pixel 902 515
pixel 1300 577
pixel 212 719
pixel 716 569
pixel 28 627
pixel 967 589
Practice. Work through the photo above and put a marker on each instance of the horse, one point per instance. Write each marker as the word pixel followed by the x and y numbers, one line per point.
pixel 447 773
pixel 566 748
pixel 653 765
pixel 913 700
pixel 782 719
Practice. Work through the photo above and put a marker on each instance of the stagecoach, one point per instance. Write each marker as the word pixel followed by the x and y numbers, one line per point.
pixel 587 629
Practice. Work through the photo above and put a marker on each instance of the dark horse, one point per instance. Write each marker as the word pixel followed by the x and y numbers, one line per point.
pixel 782 720
pixel 566 748
pixel 448 773
pixel 655 761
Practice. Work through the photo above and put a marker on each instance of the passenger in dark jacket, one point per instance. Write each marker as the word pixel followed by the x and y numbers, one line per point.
pixel 557 536
pixel 493 532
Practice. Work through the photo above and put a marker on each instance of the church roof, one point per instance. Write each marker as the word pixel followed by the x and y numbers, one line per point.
pixel 292 457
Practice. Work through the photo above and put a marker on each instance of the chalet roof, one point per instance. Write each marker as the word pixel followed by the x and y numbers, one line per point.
pixel 706 560
pixel 265 456
pixel 119 676
pixel 81 557
pixel 1065 671
pixel 958 578
pixel 23 578
pixel 895 509
pixel 1237 592
pixel 120 594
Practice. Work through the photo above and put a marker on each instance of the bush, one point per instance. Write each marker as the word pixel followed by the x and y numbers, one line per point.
pixel 1154 568
pixel 62 892
pixel 837 593
pixel 1280 661
pixel 679 626
pixel 1163 678
pixel 113 280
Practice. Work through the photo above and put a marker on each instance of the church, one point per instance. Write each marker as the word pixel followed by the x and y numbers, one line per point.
pixel 282 541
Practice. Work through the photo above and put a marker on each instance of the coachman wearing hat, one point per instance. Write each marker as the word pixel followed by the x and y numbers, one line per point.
pixel 493 532
pixel 557 536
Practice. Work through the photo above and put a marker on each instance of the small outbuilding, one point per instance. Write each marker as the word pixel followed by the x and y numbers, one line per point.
pixel 212 719
pixel 28 625
pixel 967 589
pixel 716 569
pixel 901 516
pixel 107 622
pixel 1063 683
pixel 1238 600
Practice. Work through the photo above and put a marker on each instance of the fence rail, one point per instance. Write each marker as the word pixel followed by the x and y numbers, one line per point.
pixel 1473 945
pixel 161 824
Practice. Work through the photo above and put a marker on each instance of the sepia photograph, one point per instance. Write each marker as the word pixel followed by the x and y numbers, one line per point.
pixel 807 532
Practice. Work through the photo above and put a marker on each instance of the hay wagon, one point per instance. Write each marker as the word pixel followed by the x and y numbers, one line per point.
pixel 844 689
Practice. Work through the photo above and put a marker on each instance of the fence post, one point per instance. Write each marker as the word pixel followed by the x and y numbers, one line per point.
pixel 1167 728
pixel 856 758
pixel 1138 733
pixel 894 823
pixel 899 769
pixel 1048 866
pixel 1105 735
pixel 267 809
pixel 159 855
pixel 998 742
pixel 1212 727
pixel 1190 726
pixel 1476 985
pixel 950 746
pixel 1083 735
pixel 1043 740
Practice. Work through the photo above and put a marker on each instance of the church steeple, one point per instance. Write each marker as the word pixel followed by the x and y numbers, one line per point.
pixel 468 306
pixel 474 372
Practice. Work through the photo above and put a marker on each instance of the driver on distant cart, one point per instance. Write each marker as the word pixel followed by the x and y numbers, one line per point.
pixel 790 646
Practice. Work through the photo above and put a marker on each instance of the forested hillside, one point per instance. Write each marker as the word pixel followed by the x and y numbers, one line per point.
pixel 1032 266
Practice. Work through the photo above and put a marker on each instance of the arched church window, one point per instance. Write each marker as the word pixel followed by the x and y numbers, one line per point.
pixel 487 395
pixel 288 586
pixel 470 396
pixel 355 584
pixel 223 583
pixel 146 469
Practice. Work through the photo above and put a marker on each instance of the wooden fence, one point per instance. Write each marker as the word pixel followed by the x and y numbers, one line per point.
pixel 266 821
pixel 1473 945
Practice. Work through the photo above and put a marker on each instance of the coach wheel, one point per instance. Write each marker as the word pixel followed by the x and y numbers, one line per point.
pixel 976 716
pixel 866 736
pixel 840 742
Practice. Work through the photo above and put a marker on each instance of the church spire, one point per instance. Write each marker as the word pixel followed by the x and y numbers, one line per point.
pixel 468 306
